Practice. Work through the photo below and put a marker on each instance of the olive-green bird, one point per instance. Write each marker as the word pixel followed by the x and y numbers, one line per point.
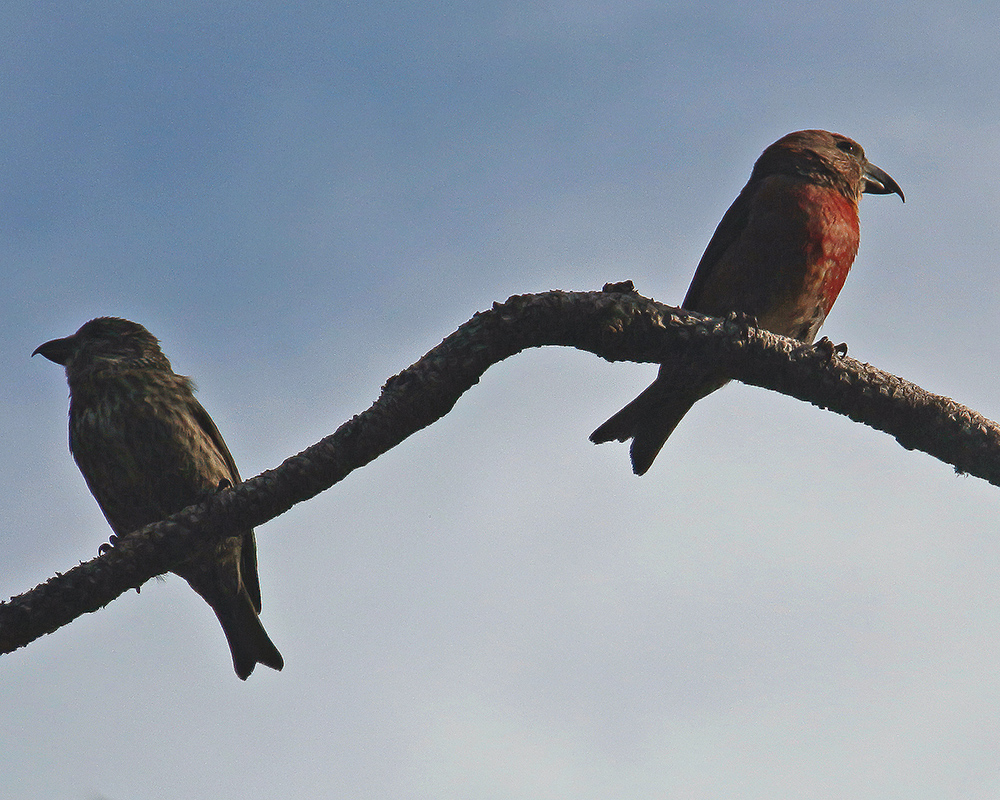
pixel 148 449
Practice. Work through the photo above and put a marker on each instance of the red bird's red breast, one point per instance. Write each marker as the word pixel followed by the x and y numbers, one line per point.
pixel 833 234
pixel 781 256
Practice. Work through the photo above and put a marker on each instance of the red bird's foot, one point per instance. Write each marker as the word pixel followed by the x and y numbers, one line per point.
pixel 828 349
pixel 742 320
pixel 622 287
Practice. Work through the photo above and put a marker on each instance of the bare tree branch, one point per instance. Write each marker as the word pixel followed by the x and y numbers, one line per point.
pixel 618 326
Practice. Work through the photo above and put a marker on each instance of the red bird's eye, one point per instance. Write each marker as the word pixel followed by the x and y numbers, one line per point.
pixel 849 147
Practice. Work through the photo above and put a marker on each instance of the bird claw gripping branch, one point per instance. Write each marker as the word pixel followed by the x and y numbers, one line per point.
pixel 828 349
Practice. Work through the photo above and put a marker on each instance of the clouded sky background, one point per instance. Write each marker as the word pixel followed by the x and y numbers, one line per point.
pixel 300 199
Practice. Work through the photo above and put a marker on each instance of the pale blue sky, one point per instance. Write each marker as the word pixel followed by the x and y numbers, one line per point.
pixel 301 199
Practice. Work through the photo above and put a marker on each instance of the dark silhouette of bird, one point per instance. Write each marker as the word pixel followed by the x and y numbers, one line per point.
pixel 780 256
pixel 148 449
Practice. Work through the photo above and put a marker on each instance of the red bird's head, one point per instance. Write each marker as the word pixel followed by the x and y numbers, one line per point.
pixel 825 158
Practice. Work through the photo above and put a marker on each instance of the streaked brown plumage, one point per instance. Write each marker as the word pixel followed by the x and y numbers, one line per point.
pixel 147 449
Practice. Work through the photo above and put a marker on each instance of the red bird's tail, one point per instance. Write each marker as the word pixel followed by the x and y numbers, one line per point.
pixel 650 419
pixel 647 421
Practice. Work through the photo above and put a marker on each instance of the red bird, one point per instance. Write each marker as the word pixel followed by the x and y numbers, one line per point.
pixel 780 255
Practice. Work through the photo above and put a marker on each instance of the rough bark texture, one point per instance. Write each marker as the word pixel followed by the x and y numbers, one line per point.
pixel 616 325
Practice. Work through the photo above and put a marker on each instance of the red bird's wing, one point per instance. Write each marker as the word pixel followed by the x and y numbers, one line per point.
pixel 733 223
